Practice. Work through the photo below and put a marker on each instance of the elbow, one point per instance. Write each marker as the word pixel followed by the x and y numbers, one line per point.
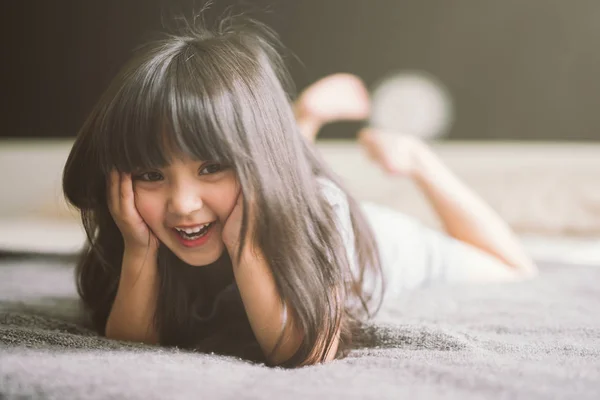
pixel 109 331
pixel 315 357
pixel 330 355
pixel 285 350
pixel 114 333
pixel 292 349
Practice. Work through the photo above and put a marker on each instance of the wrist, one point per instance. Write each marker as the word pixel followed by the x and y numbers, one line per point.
pixel 139 254
pixel 138 267
pixel 249 255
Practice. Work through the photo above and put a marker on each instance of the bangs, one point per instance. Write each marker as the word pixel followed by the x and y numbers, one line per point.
pixel 170 108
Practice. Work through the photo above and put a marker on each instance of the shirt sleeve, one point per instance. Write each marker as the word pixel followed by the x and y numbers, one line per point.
pixel 338 200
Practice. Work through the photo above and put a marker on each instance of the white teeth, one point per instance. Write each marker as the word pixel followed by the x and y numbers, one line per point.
pixel 191 231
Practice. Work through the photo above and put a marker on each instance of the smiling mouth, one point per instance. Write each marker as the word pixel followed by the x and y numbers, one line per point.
pixel 193 234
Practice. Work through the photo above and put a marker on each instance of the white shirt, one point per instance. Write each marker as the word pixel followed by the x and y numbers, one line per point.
pixel 412 255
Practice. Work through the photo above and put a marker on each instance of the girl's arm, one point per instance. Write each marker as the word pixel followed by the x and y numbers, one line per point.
pixel 269 319
pixel 132 315
pixel 465 215
pixel 265 310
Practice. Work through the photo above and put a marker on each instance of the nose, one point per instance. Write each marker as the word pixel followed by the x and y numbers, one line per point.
pixel 184 201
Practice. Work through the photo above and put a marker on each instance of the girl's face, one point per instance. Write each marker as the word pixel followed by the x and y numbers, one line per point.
pixel 186 205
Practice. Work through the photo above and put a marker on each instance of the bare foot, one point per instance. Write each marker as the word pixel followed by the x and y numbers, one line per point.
pixel 397 154
pixel 333 98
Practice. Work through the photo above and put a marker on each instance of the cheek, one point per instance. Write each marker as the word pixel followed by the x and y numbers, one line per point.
pixel 149 207
pixel 224 198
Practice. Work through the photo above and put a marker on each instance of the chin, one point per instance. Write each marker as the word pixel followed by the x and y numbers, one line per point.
pixel 202 260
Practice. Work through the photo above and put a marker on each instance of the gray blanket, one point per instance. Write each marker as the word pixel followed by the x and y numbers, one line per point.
pixel 532 340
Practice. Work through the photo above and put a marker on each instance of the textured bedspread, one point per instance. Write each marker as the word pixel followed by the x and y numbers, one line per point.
pixel 532 340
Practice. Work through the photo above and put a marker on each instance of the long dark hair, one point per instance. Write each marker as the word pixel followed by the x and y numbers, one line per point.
pixel 223 95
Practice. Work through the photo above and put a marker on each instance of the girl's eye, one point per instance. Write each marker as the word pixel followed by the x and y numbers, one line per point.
pixel 151 176
pixel 211 169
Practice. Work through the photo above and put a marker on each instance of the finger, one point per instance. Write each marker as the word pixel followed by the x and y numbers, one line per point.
pixel 113 191
pixel 239 205
pixel 126 195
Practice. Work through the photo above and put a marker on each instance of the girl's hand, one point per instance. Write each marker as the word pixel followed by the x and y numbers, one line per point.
pixel 137 236
pixel 397 154
pixel 233 226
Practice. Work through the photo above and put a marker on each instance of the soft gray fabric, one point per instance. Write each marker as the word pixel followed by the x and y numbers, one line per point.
pixel 532 340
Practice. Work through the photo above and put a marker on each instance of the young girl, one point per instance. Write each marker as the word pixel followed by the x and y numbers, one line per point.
pixel 214 225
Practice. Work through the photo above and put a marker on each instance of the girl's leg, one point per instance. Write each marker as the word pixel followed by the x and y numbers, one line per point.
pixel 333 98
pixel 478 246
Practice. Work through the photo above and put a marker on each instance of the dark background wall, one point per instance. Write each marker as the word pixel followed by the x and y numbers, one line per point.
pixel 516 69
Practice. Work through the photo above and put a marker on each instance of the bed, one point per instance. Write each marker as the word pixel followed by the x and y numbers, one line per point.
pixel 536 339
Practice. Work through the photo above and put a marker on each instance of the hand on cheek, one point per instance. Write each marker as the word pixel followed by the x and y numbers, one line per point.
pixel 233 226
pixel 137 235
